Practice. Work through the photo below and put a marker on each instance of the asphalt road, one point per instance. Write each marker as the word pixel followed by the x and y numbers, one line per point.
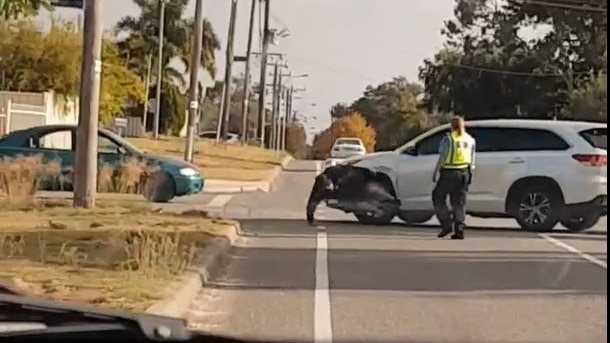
pixel 343 282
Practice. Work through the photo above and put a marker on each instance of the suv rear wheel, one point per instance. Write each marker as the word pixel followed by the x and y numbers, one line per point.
pixel 537 207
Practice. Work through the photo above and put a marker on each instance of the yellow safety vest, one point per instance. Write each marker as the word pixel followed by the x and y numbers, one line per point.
pixel 460 151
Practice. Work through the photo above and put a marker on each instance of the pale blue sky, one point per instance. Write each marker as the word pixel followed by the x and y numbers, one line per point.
pixel 344 45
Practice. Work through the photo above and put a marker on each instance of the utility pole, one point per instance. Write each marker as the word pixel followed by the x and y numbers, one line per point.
pixel 194 82
pixel 159 68
pixel 274 105
pixel 220 112
pixel 147 89
pixel 85 185
pixel 245 106
pixel 263 74
pixel 285 119
pixel 228 72
pixel 289 107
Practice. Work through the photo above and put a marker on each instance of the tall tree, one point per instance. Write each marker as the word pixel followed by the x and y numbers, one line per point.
pixel 488 69
pixel 39 61
pixel 13 9
pixel 141 41
pixel 394 110
pixel 339 110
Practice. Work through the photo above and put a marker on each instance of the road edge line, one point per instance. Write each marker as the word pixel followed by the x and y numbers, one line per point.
pixel 574 250
pixel 220 200
pixel 323 332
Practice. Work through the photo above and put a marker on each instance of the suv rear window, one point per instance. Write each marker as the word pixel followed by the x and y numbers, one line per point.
pixel 501 139
pixel 598 138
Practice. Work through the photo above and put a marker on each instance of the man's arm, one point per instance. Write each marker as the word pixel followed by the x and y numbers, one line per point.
pixel 443 150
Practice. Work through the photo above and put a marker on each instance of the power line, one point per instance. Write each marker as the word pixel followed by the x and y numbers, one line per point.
pixel 333 69
pixel 586 6
pixel 507 72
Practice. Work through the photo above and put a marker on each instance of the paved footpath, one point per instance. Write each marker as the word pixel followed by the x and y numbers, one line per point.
pixel 343 282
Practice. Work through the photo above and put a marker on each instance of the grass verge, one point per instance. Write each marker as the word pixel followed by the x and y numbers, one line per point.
pixel 218 160
pixel 115 256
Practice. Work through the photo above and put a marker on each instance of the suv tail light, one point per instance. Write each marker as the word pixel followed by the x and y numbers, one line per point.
pixel 591 160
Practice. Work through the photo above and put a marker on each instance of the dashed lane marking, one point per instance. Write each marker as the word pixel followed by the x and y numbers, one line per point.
pixel 323 332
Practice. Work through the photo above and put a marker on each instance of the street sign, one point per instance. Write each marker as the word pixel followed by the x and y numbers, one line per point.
pixel 68 3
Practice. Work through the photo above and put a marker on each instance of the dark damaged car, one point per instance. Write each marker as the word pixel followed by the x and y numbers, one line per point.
pixel 367 194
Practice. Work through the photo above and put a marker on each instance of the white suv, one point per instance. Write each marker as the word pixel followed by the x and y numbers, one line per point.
pixel 536 171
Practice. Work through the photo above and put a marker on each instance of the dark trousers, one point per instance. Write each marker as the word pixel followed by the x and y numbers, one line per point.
pixel 454 184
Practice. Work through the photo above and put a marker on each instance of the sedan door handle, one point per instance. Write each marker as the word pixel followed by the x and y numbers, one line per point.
pixel 517 161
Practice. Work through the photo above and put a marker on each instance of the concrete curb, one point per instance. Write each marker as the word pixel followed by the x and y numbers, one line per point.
pixel 266 185
pixel 211 260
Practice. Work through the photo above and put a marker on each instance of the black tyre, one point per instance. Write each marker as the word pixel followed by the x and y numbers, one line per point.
pixel 160 187
pixel 370 219
pixel 582 221
pixel 415 217
pixel 537 207
pixel 382 193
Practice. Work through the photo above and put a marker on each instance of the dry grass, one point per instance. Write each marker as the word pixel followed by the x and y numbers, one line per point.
pixel 115 256
pixel 218 161
pixel 22 176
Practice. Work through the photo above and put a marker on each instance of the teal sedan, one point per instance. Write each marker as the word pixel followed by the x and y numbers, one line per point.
pixel 170 178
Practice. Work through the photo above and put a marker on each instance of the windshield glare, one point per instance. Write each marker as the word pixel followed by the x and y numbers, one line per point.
pixel 348 142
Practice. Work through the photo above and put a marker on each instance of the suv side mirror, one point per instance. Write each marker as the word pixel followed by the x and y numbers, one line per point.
pixel 410 151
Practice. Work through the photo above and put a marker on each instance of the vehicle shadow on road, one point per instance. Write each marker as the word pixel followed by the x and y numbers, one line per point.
pixel 290 227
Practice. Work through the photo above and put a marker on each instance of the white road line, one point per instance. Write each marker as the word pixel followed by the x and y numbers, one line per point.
pixel 220 200
pixel 572 249
pixel 323 332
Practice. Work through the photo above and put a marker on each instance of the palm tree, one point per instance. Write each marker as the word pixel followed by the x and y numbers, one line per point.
pixel 210 44
pixel 140 42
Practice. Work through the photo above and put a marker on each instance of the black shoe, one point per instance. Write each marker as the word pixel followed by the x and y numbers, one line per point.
pixel 444 232
pixel 458 235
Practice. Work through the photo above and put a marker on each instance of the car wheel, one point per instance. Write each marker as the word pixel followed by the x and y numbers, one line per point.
pixel 583 221
pixel 371 219
pixel 160 187
pixel 538 208
pixel 415 217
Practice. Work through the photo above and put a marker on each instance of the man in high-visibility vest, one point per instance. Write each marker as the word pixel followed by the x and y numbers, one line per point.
pixel 453 175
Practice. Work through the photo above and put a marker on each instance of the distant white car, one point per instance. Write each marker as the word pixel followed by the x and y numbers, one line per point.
pixel 233 137
pixel 345 147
